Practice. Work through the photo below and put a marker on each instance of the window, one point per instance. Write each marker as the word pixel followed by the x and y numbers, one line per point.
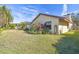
pixel 48 25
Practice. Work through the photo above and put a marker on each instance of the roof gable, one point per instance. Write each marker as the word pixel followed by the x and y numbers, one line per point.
pixel 60 18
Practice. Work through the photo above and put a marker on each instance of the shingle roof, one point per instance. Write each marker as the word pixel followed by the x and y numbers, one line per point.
pixel 60 17
pixel 51 15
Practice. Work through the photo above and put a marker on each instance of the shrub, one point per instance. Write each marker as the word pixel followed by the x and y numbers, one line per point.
pixel 12 26
pixel 35 31
pixel 30 30
pixel 23 25
pixel 45 31
pixel 1 29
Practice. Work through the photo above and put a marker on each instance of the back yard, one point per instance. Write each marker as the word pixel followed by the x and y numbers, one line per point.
pixel 18 41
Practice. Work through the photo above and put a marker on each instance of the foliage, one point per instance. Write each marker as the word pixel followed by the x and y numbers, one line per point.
pixel 6 16
pixel 23 25
pixel 2 29
pixel 39 29
pixel 45 31
pixel 12 26
pixel 32 31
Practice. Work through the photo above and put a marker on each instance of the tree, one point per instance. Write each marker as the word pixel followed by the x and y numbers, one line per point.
pixel 23 25
pixel 6 16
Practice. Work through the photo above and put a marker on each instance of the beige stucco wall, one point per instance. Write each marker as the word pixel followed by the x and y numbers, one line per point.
pixel 55 21
pixel 62 29
pixel 42 19
pixel 64 26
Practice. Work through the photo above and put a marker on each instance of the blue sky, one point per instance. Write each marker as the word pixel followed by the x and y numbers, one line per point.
pixel 27 12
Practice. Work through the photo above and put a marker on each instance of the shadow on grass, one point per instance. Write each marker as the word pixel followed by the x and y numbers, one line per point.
pixel 68 44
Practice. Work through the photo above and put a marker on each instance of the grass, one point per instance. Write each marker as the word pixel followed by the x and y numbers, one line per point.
pixel 17 41
pixel 69 44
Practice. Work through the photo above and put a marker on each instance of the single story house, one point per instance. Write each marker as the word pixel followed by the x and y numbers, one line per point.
pixel 55 24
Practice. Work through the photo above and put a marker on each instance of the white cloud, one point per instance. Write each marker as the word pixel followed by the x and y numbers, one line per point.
pixel 30 9
pixel 20 17
pixel 47 12
pixel 24 14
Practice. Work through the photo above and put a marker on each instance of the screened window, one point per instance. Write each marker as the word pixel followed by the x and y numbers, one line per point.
pixel 48 25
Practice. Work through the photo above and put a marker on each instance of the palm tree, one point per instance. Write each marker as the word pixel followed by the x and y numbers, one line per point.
pixel 7 17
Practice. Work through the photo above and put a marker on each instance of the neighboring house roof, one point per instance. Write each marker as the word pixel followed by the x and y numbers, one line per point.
pixel 60 17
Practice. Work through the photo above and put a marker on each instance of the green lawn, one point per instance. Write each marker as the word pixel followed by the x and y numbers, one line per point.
pixel 18 41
